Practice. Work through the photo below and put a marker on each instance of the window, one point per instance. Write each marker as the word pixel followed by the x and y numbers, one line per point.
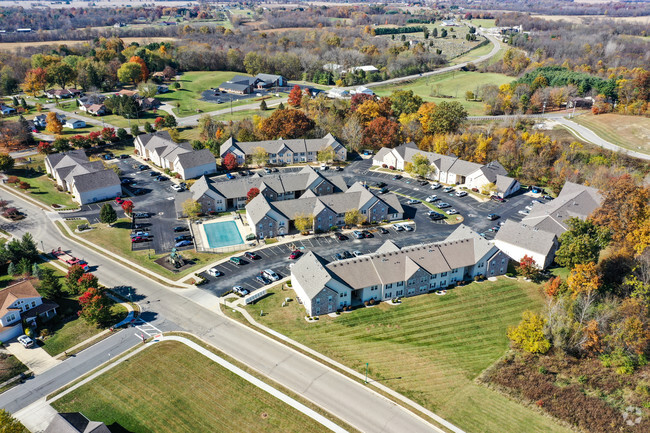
pixel 318 300
pixel 33 304
pixel 281 223
pixel 363 211
pixel 423 279
pixel 399 293
pixel 389 286
pixel 329 299
pixel 410 291
pixel 270 225
pixel 387 295
pixel 400 283
pixel 261 226
pixel 434 276
pixel 433 285
pixel 11 318
pixel 423 288
pixel 444 274
pixel 411 282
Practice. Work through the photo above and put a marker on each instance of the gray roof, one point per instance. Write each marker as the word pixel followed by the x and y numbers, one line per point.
pixel 71 157
pixel 504 183
pixel 258 208
pixel 196 158
pixel 75 422
pixel 275 146
pixel 526 237
pixel 268 78
pixel 492 170
pixel 310 271
pixel 237 87
pixel 95 180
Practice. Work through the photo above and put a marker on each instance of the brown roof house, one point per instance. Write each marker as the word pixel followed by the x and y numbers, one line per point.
pixel 21 301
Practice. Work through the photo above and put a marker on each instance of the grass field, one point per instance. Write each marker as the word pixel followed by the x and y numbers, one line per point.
pixel 430 348
pixel 171 388
pixel 629 132
pixel 43 188
pixel 127 41
pixel 486 24
pixel 453 85
pixel 116 239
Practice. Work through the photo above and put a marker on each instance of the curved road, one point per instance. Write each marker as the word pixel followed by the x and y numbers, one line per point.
pixel 197 312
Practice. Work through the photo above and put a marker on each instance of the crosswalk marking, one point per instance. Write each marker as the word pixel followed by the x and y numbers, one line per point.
pixel 145 328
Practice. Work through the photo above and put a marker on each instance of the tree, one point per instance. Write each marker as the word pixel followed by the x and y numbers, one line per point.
pixel 6 162
pixel 27 247
pixel 37 271
pixel 326 154
pixel 35 81
pixel 230 162
pixel 442 118
pixel 295 96
pixel 24 266
pixel 86 281
pixel 9 424
pixel 529 334
pixel 303 223
pixel 127 207
pixel 60 73
pixel 405 102
pixel 192 208
pixel 583 279
pixel 95 306
pixel 148 128
pixel 45 147
pixel 353 133
pixel 281 106
pixel 381 132
pixel 107 214
pixel 260 156
pixel 122 105
pixel 53 123
pixel 354 217
pixel 148 90
pixel 582 243
pixel 72 278
pixel 528 268
pixel 135 131
pixel 50 286
pixel 420 165
pixel 129 72
pixel 263 106
pixel 252 193
pixel 11 269
pixel 286 124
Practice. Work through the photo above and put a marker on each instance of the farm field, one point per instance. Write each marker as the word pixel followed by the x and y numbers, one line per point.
pixel 486 24
pixel 452 85
pixel 430 348
pixel 11 46
pixel 629 132
pixel 193 395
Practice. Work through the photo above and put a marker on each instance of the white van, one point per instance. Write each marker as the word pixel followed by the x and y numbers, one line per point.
pixel 268 273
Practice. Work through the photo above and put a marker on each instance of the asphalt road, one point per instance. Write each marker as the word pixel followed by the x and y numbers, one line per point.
pixel 186 309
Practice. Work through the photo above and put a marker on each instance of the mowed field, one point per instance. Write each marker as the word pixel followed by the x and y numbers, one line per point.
pixel 11 46
pixel 172 388
pixel 630 132
pixel 452 85
pixel 430 348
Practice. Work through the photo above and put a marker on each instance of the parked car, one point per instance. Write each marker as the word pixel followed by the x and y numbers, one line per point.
pixel 397 177
pixel 497 198
pixel 274 170
pixel 179 229
pixel 127 181
pixel 380 184
pixel 251 255
pixel 448 189
pixel 143 167
pixel 423 182
pixel 263 280
pixel 339 256
pixel 142 215
pixel 25 341
pixel 153 173
pixel 398 227
pixel 408 227
pixel 383 231
pixel 137 239
pixel 547 197
pixel 229 176
pixel 237 261
pixel 435 216
pixel 139 191
pixel 435 185
pixel 367 234
pixel 443 205
pixel 140 234
pixel 215 272
pixel 183 238
pixel 492 216
pixel 177 188
pixel 248 173
pixel 295 254
pixel 413 201
pixel 119 200
pixel 124 156
pixel 357 234
pixel 239 290
pixel 384 190
pixel 267 170
pixel 160 178
pixel 523 212
pixel 341 237
pixel 268 273
pixel 243 173
pixel 183 243
pixel 461 194
pixel 451 212
pixel 431 198
pixel 347 254
pixel 357 253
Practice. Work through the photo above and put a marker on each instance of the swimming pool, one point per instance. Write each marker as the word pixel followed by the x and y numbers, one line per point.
pixel 222 234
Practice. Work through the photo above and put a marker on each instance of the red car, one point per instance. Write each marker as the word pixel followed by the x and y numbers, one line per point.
pixel 137 239
pixel 497 198
pixel 119 200
pixel 295 254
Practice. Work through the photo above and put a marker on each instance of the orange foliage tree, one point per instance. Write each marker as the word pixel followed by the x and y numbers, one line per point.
pixel 143 66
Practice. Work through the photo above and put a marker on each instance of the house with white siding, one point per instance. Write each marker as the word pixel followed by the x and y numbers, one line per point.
pixel 324 287
pixel 18 302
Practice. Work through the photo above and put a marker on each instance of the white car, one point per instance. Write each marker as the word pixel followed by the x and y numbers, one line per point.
pixel 240 290
pixel 398 227
pixel 413 201
pixel 461 194
pixel 268 273
pixel 215 272
pixel 431 198
pixel 357 253
pixel 25 341
pixel 451 212
pixel 408 227
pixel 177 188
pixel 435 185
pixel 524 212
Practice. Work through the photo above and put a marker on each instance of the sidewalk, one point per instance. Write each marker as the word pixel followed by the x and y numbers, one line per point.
pixel 37 416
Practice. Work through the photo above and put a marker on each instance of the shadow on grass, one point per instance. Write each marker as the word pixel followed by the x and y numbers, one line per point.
pixel 116 427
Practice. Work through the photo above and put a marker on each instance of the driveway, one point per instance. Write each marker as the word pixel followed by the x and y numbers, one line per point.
pixel 35 358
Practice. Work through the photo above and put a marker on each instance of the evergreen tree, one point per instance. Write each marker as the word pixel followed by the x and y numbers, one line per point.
pixel 50 286
pixel 135 130
pixel 24 266
pixel 11 269
pixel 37 271
pixel 148 128
pixel 107 215
pixel 28 248
pixel 263 106
pixel 281 106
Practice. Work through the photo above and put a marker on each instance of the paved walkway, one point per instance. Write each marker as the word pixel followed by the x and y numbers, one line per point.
pixel 223 363
pixel 37 416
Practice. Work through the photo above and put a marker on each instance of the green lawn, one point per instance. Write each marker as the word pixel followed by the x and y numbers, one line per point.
pixel 486 24
pixel 117 240
pixel 171 388
pixel 629 132
pixel 43 188
pixel 452 85
pixel 430 348
pixel 10 366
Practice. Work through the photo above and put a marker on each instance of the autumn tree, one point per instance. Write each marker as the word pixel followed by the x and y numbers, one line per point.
pixel 373 109
pixel 127 207
pixel 354 217
pixel 6 162
pixel 53 123
pixel 405 102
pixel 528 268
pixel 252 193
pixel 192 208
pixel 72 278
pixel 230 162
pixel 303 223
pixel 60 73
pixel 529 334
pixel 144 75
pixel 86 281
pixel 582 243
pixel 442 118
pixel 295 96
pixel 420 165
pixel 35 81
pixel 95 306
pixel 381 132
pixel 260 156
pixel 326 154
pixel 553 286
pixel 353 133
pixel 286 124
pixel 583 278
pixel 631 330
pixel 107 214
pixel 129 72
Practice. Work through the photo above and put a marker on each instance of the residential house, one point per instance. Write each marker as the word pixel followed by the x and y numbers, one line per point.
pixel 217 195
pixel 270 80
pixel 269 219
pixel 74 124
pixel 94 109
pixel 362 90
pixel 538 233
pixel 20 301
pixel 324 287
pixel 63 93
pixel 75 422
pixel 243 85
pixel 126 92
pixel 88 181
pixel 146 104
pixel 338 93
pixel 180 158
pixel 40 121
pixel 450 169
pixel 368 69
pixel 284 151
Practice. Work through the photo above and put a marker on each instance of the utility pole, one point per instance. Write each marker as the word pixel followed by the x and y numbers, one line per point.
pixel 543 108
pixel 366 372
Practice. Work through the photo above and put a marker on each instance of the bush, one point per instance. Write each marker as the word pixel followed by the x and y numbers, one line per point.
pixel 13 179
pixel 392 167
pixel 44 333
pixel 366 303
pixel 384 166
pixel 334 228
pixel 510 274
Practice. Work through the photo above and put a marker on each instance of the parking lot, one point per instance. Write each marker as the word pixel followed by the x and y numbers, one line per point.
pixel 214 95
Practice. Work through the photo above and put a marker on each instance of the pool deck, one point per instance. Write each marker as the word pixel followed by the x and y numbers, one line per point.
pixel 201 239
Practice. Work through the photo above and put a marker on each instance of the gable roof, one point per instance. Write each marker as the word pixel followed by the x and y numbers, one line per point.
pixel 276 146
pixel 95 180
pixel 311 273
pixel 75 422
pixel 19 290
pixel 526 237
pixel 195 158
